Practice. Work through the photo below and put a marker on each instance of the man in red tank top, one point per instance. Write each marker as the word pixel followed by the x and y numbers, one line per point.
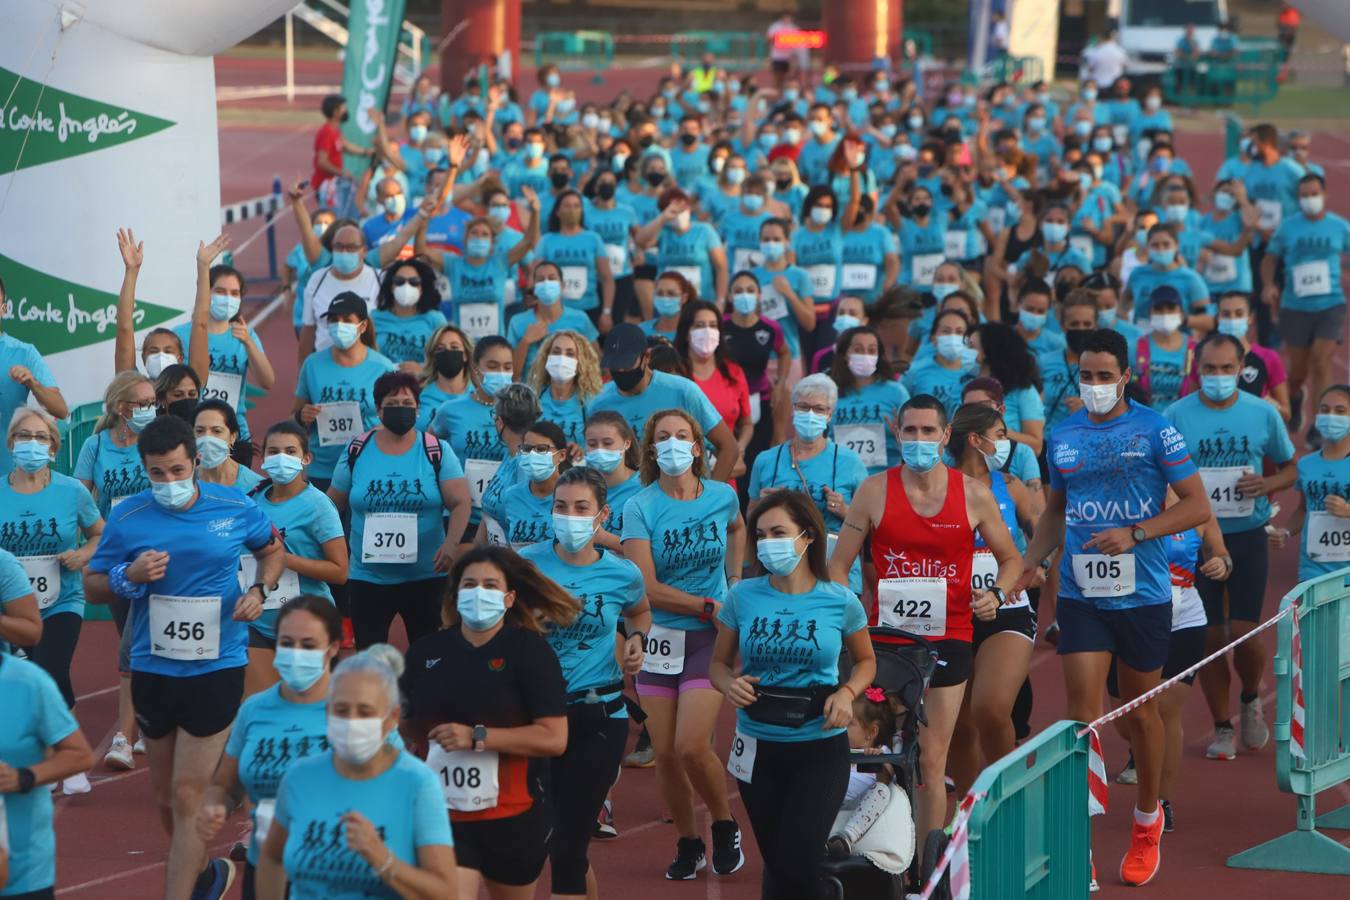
pixel 922 517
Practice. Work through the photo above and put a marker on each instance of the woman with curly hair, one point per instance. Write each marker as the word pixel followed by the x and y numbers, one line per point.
pixel 566 376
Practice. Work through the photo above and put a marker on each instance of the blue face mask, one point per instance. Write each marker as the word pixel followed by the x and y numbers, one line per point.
pixel 31 456
pixel 888 131
pixel 173 494
pixel 809 425
pixel 493 382
pixel 666 306
pixel 1085 180
pixel 1102 144
pixel 744 303
pixel 548 292
pixel 1176 213
pixel 736 175
pixel 478 247
pixel 1035 125
pixel 346 261
pixel 1054 232
pixel 212 451
pixel 603 460
pixel 282 468
pixel 849 94
pixel 1224 201
pixel 299 668
pixel 1106 318
pixel 942 290
pixel 537 466
pixel 1141 236
pixel 949 346
pixel 844 322
pixel 534 151
pixel 779 556
pixel 499 213
pixel 752 202
pixel 1218 387
pixel 999 457
pixel 1031 321
pixel 1082 127
pixel 224 307
pixel 1235 327
pixel 792 95
pixel 1162 257
pixel 674 456
pixel 480 607
pixel 773 250
pixel 1332 427
pixel 141 416
pixel 433 156
pixel 573 532
pixel 417 134
pixel 344 334
pixel 768 140
pixel 920 455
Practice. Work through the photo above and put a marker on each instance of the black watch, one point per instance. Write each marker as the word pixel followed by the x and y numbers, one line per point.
pixel 1139 534
pixel 480 737
pixel 263 588
pixel 26 779
pixel 998 592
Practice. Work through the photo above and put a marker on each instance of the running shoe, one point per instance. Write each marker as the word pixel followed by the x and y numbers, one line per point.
pixel 119 754
pixel 1296 413
pixel 1093 886
pixel 1128 775
pixel 1224 745
pixel 76 784
pixel 837 848
pixel 640 759
pixel 1168 824
pixel 604 822
pixel 1255 732
pixel 139 746
pixel 1145 854
pixel 348 635
pixel 689 860
pixel 727 856
pixel 219 876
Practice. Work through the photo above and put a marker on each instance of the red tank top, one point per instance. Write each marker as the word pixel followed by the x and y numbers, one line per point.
pixel 923 565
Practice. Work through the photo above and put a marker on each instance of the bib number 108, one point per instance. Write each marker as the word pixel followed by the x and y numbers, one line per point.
pixel 461 777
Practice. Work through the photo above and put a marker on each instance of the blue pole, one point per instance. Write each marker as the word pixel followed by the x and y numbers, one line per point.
pixel 272 229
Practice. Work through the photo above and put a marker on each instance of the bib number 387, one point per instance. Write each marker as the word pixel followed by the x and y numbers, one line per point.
pixel 1098 575
pixel 468 778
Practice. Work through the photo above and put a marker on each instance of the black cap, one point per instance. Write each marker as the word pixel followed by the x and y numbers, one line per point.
pixel 1164 295
pixel 624 346
pixel 347 303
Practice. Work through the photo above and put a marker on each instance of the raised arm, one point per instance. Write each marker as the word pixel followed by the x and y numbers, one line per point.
pixel 124 344
pixel 199 353
pixel 309 241
pixel 531 238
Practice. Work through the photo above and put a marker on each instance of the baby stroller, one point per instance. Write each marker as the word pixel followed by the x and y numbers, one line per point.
pixel 903 670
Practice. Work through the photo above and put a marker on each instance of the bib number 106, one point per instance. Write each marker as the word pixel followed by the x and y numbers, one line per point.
pixel 656 646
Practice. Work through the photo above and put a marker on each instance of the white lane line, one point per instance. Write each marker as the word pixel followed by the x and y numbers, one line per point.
pixel 92 694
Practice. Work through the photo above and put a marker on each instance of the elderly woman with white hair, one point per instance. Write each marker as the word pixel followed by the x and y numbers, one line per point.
pixel 811 462
pixel 43 516
pixel 364 818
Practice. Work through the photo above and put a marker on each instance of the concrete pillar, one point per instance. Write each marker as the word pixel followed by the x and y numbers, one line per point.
pixel 493 28
pixel 861 31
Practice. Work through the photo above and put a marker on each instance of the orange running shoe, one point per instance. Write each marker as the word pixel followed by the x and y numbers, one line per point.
pixel 1145 854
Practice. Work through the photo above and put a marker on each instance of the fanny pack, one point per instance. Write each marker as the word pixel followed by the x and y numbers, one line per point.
pixel 788 707
pixel 588 702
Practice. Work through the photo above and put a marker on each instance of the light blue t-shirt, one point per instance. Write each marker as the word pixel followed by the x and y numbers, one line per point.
pixel 115 472
pixel 740 233
pixel 204 543
pixel 1312 252
pixel 790 641
pixel 665 391
pixel 569 415
pixel 814 159
pixel 607 588
pixel 943 383
pixel 384 492
pixel 688 542
pixel 1242 436
pixel 322 380
pixel 405 804
pixel 229 357
pixel 615 227
pixel 575 254
pixel 819 253
pixel 14 352
pixel 526 518
pixel 1167 370
pixel 689 253
pixel 469 426
pixel 1115 474
pixel 862 269
pixel 1318 479
pixel 429 401
pixel 570 320
pixel 1229 229
pixel 404 338
pixel 860 419
pixel 922 249
pixel 617 498
pixel 773 305
pixel 45 524
pixel 1059 383
pixel 305 522
pixel 35 719
pixel 475 285
pixel 1022 405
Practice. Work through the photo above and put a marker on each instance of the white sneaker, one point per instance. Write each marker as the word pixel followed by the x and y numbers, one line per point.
pixel 1255 732
pixel 76 784
pixel 119 754
pixel 139 746
pixel 1224 745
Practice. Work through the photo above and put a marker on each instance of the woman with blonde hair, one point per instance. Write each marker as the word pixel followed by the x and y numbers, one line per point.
pixel 445 370
pixel 566 376
pixel 686 535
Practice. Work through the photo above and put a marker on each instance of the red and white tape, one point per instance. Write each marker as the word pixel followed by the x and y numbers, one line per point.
pixel 956 856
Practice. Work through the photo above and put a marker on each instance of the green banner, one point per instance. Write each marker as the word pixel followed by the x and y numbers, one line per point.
pixel 373 28
pixel 47 125
pixel 57 315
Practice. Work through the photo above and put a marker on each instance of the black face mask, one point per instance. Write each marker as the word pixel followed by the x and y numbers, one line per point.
pixel 1077 340
pixel 627 379
pixel 449 363
pixel 656 179
pixel 646 140
pixel 604 190
pixel 689 140
pixel 514 143
pixel 782 183
pixel 185 409
pixel 925 170
pixel 399 419
pixel 946 190
pixel 920 210
pixel 559 180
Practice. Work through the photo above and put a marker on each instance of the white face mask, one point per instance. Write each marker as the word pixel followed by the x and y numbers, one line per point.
pixel 1311 205
pixel 156 362
pixel 1165 323
pixel 704 341
pixel 682 221
pixel 406 295
pixel 560 368
pixel 862 365
pixel 1099 399
pixel 355 741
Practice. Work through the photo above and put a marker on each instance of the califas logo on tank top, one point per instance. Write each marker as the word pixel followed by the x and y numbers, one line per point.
pixel 900 565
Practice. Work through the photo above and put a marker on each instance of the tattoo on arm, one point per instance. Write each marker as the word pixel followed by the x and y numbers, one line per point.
pixel 855 526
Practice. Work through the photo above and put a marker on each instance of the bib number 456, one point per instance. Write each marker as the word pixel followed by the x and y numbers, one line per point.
pixel 185 631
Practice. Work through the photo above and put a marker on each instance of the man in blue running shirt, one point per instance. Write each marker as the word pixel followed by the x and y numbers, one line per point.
pixel 1111 464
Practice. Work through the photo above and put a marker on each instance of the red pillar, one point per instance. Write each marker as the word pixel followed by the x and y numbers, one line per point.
pixel 493 28
pixel 860 31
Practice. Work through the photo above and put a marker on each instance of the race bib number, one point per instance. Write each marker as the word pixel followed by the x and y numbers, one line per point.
pixel 390 538
pixel 496 535
pixel 983 571
pixel 1225 498
pixel 1269 214
pixel 756 408
pixel 917 605
pixel 954 244
pixel 859 277
pixel 574 282
pixel 480 319
pixel 338 423
pixel 288 585
pixel 744 258
pixel 741 761
pixel 1328 537
pixel 618 258
pixel 663 651
pixel 1312 279
pixel 1221 269
pixel 822 280
pixel 925 267
pixel 693 275
pixel 868 441
pixel 263 814
pixel 225 386
pixel 772 304
pixel 468 778
pixel 44 574
pixel 1082 244
pixel 1098 575
pixel 997 218
pixel 479 473
pixel 184 627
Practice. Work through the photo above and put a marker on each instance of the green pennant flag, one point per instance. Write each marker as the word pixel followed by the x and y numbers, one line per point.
pixel 48 124
pixel 373 29
pixel 57 315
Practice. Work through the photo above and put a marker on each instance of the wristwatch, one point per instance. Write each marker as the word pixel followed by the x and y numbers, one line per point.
pixel 709 608
pixel 998 592
pixel 26 779
pixel 638 633
pixel 1139 534
pixel 263 588
pixel 479 738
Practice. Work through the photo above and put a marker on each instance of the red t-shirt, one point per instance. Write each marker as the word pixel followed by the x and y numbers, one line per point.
pixel 729 396
pixel 327 145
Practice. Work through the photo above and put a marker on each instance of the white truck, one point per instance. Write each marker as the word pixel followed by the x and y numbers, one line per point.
pixel 1149 30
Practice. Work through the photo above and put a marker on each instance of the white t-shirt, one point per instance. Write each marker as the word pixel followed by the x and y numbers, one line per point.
pixel 775 52
pixel 324 286
pixel 1105 63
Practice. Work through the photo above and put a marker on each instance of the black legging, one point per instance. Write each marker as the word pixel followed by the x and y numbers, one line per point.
pixel 56 648
pixel 373 607
pixel 580 779
pixel 797 790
